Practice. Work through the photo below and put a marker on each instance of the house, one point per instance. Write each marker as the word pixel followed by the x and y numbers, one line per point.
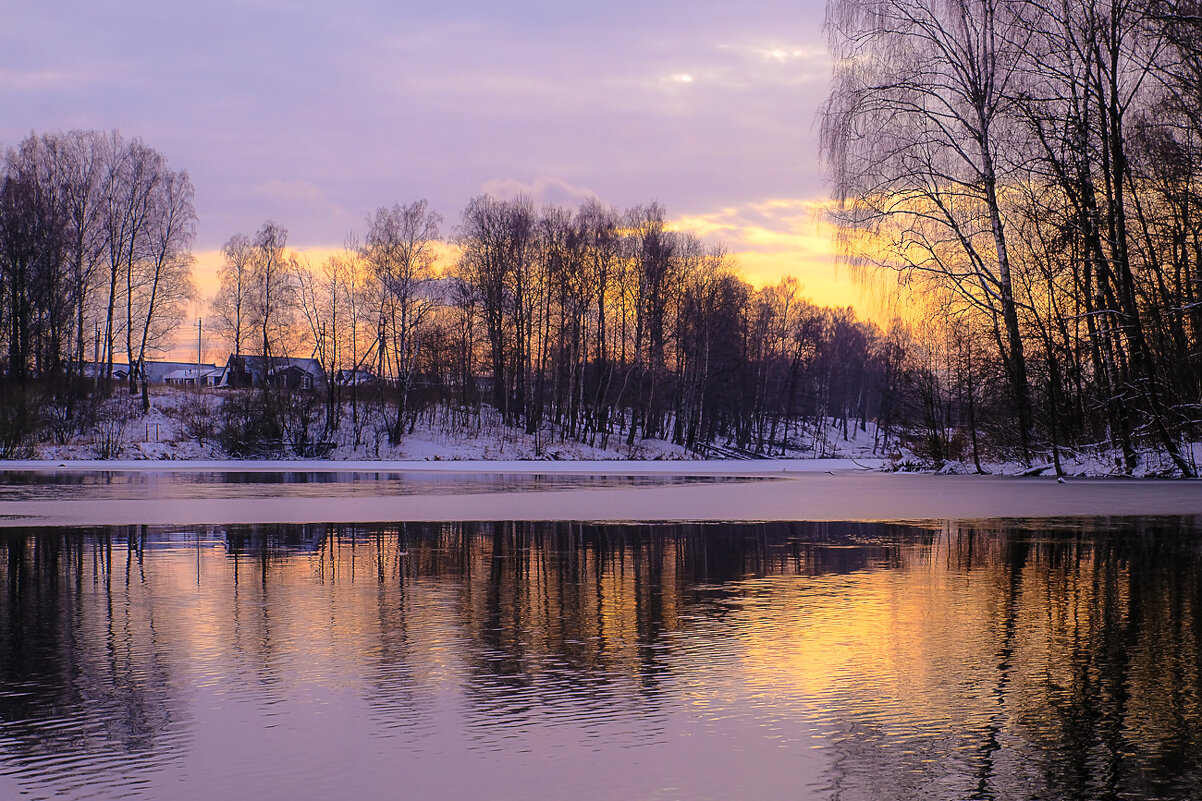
pixel 96 370
pixel 281 371
pixel 204 375
pixel 176 373
pixel 353 378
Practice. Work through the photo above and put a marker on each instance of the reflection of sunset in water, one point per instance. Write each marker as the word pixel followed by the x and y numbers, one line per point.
pixel 710 661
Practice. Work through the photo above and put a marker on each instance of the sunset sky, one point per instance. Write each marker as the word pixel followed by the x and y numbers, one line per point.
pixel 314 114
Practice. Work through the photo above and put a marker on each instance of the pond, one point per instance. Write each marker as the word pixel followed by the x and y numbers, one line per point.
pixel 549 659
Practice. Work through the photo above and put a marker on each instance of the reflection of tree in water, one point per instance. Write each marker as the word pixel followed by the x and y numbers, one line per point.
pixel 399 628
pixel 1124 701
pixel 549 620
pixel 576 622
pixel 562 626
pixel 81 666
pixel 1054 662
pixel 1091 686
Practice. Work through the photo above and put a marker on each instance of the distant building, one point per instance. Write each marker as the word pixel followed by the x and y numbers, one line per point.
pixel 204 375
pixel 174 373
pixel 283 371
pixel 354 378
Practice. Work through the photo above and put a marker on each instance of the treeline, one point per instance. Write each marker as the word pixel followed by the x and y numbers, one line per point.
pixel 95 260
pixel 591 324
pixel 1032 172
pixel 1040 329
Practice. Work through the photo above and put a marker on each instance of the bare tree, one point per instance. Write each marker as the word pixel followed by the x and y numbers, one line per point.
pixel 916 136
pixel 33 237
pixel 323 290
pixel 234 300
pixel 400 250
pixel 274 296
pixel 82 152
pixel 656 277
pixel 495 239
pixel 165 270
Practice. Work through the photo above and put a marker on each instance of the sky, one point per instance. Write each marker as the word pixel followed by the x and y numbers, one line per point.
pixel 314 113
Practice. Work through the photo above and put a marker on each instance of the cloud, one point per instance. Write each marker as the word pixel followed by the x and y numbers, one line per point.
pixel 790 54
pixel 294 191
pixel 289 201
pixel 313 115
pixel 779 237
pixel 46 80
pixel 541 190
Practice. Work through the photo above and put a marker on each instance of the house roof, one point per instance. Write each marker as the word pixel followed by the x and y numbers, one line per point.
pixel 255 365
pixel 206 371
pixel 156 372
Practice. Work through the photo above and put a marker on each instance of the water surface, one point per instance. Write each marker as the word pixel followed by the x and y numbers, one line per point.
pixel 163 495
pixel 567 660
pixel 164 484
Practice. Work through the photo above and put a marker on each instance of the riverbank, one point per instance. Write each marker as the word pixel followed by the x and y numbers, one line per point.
pixel 591 467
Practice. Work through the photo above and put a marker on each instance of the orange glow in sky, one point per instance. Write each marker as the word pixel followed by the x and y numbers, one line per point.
pixel 769 240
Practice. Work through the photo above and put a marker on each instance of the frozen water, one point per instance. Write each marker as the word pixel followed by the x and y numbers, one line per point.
pixel 784 490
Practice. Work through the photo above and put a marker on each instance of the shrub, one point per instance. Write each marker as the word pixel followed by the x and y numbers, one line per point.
pixel 18 423
pixel 112 421
pixel 247 428
pixel 198 416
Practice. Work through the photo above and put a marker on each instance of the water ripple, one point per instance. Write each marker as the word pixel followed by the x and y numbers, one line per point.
pixel 509 660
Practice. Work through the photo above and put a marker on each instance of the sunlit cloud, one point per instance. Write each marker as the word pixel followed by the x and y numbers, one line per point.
pixel 204 274
pixel 780 64
pixel 541 190
pixel 784 55
pixel 781 237
pixel 289 191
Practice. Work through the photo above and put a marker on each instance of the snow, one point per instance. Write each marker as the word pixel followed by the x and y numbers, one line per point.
pixel 596 467
pixel 163 434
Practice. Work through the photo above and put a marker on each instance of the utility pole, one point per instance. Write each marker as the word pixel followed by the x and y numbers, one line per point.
pixel 199 335
pixel 96 361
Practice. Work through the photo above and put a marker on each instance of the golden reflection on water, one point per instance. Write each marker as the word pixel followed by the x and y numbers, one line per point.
pixel 510 660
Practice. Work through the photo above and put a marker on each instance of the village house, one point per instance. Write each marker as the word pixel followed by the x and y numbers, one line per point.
pixel 353 378
pixel 283 371
pixel 171 373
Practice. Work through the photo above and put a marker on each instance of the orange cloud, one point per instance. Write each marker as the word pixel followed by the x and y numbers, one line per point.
pixel 790 236
pixel 771 239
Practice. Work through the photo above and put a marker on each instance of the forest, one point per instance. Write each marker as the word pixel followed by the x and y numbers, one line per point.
pixel 592 324
pixel 1027 173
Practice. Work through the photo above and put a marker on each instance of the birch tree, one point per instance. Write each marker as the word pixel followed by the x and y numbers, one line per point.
pixel 919 149
pixel 400 250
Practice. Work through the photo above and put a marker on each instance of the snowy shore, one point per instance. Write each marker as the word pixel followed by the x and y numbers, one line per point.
pixel 591 467
pixel 161 440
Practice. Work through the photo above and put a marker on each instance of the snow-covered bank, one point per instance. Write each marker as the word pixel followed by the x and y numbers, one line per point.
pixel 166 438
pixel 183 426
pixel 595 467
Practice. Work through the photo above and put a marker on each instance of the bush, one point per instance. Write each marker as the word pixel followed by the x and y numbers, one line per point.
pixel 247 428
pixel 112 421
pixel 301 417
pixel 198 416
pixel 18 423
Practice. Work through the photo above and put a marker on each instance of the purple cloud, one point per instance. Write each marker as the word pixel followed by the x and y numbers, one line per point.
pixel 314 114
